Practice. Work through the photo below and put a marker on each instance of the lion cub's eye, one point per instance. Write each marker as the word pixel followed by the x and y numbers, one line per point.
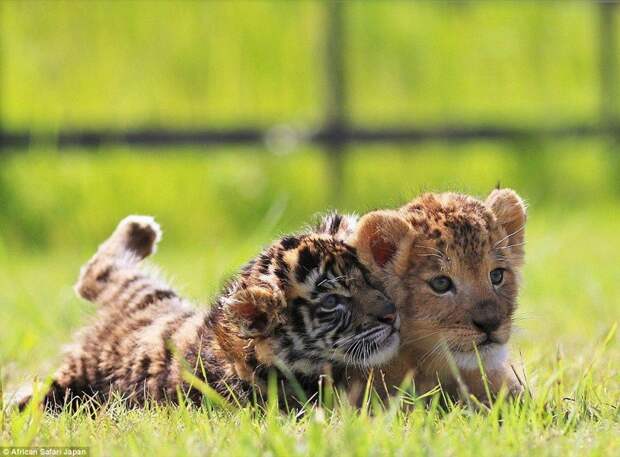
pixel 441 284
pixel 497 276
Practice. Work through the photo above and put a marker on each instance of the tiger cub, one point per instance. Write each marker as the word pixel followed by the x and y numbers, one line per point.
pixel 303 305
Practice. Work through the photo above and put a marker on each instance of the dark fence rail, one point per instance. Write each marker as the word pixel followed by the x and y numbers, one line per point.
pixel 337 131
pixel 329 136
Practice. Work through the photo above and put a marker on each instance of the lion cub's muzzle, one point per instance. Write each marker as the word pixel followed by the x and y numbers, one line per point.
pixel 487 317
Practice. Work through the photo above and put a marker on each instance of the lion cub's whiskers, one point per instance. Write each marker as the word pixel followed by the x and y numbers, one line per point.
pixel 509 235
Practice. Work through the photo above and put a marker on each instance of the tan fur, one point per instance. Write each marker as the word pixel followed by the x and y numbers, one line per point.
pixel 464 239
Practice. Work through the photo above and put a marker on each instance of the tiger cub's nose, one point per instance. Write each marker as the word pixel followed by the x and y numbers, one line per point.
pixel 388 314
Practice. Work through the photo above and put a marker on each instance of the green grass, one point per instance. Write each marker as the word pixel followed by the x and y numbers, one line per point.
pixel 217 213
pixel 135 63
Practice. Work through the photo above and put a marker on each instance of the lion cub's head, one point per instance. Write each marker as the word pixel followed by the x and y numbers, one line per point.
pixel 451 263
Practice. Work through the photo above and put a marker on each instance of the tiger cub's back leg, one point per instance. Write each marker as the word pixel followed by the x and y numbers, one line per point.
pixel 129 297
pixel 114 267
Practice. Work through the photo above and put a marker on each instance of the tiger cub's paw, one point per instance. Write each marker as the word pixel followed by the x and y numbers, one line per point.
pixel 19 399
pixel 138 235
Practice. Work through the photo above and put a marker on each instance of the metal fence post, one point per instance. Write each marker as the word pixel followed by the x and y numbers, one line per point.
pixel 1 74
pixel 336 97
pixel 608 73
pixel 608 67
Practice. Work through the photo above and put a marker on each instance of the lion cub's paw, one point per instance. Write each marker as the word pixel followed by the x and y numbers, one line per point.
pixel 138 235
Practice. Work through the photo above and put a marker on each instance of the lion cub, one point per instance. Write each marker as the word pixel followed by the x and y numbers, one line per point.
pixel 451 263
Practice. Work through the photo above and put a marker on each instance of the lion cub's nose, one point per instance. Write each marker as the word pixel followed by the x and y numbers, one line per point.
pixel 487 324
pixel 486 318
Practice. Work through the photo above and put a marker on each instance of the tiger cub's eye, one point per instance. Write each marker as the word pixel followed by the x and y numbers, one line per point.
pixel 441 284
pixel 497 276
pixel 330 301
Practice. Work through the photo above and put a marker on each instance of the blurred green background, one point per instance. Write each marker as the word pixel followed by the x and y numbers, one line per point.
pixel 125 65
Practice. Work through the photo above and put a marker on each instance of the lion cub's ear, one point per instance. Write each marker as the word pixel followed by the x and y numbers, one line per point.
pixel 383 240
pixel 510 212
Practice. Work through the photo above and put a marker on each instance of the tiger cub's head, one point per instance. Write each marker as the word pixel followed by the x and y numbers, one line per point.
pixel 308 302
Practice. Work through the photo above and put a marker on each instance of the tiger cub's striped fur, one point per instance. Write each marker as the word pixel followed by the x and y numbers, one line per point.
pixel 303 304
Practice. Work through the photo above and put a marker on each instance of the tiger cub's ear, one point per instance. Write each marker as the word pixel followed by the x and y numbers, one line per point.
pixel 257 310
pixel 510 212
pixel 383 240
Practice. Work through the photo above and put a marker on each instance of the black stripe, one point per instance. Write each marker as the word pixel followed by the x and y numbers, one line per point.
pixel 336 220
pixel 155 296
pixel 167 337
pixel 308 261
pixel 297 318
pixel 105 274
pixel 129 300
pixel 122 288
pixel 289 242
